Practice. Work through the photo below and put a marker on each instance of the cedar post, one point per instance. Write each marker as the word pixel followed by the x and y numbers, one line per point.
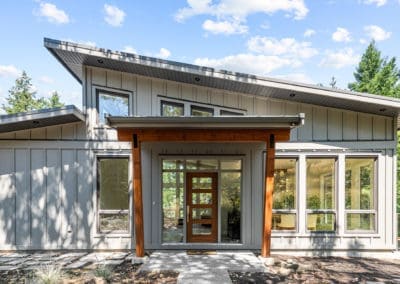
pixel 137 196
pixel 269 189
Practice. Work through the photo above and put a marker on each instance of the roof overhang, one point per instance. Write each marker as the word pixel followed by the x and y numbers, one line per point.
pixel 40 118
pixel 214 122
pixel 75 56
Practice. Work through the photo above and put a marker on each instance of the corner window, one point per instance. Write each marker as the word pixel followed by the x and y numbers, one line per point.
pixel 171 109
pixel 360 194
pixel 113 194
pixel 284 197
pixel 201 111
pixel 321 192
pixel 109 103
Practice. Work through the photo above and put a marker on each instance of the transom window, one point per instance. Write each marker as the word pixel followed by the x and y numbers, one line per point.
pixel 110 103
pixel 171 108
pixel 201 111
pixel 113 194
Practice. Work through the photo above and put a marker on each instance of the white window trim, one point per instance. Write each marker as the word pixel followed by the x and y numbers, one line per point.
pixel 98 233
pixel 187 104
pixel 95 102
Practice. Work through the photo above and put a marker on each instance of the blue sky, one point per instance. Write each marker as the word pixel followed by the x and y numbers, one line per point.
pixel 301 40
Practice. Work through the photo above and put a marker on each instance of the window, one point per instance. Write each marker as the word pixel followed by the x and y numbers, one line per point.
pixel 201 111
pixel 321 193
pixel 113 194
pixel 360 193
pixel 111 104
pixel 171 109
pixel 223 112
pixel 284 197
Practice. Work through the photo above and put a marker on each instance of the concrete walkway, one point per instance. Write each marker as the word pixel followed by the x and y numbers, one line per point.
pixel 204 269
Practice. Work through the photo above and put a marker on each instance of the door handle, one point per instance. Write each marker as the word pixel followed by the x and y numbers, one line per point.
pixel 187 213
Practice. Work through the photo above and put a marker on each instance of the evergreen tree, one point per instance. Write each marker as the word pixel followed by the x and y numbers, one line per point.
pixel 22 98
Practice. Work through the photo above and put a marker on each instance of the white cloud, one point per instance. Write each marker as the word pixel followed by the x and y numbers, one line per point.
pixel 129 49
pixel 9 71
pixel 249 63
pixel 46 80
pixel 296 77
pixel 363 41
pixel 341 35
pixel 309 33
pixel 163 53
pixel 378 3
pixel 53 14
pixel 284 46
pixel 224 27
pixel 114 16
pixel 377 33
pixel 339 59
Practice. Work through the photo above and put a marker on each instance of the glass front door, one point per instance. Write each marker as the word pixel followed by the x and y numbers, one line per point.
pixel 202 207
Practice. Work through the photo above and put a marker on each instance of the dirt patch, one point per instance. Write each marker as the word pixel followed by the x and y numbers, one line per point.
pixel 123 273
pixel 324 270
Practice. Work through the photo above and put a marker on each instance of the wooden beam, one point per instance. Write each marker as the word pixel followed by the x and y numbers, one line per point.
pixel 137 195
pixel 268 195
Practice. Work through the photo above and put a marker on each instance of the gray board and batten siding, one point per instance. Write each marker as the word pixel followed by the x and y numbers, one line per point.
pixel 48 181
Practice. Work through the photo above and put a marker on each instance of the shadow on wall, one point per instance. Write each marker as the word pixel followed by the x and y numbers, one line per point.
pixel 322 243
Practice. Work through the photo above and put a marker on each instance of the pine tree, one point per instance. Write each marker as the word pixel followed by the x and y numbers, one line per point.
pixel 54 100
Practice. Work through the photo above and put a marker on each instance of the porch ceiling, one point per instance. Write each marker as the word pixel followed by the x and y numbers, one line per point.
pixel 214 122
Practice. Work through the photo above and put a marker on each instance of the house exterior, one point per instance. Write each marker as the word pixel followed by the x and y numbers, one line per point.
pixel 165 155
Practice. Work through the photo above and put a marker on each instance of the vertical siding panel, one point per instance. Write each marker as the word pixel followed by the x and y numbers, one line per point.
pixel 38 198
pixel 143 96
pixel 276 107
pixel 248 104
pixel 292 109
pixel 202 95
pixel 389 129
pixel 99 77
pixel 53 228
pixel 334 125
pixel 320 127
pixel 80 131
pixel 68 198
pixel 260 106
pixel 349 125
pixel 85 207
pixel 379 127
pixel 173 90
pixel 53 132
pixel 187 92
pixel 23 134
pixel 217 98
pixel 231 100
pixel 38 133
pixel 305 132
pixel 128 82
pixel 364 127
pixel 10 135
pixel 68 132
pixel 157 89
pixel 22 189
pixel 7 198
pixel 114 79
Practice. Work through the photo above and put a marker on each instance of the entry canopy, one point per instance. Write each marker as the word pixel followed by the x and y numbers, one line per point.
pixel 40 118
pixel 212 122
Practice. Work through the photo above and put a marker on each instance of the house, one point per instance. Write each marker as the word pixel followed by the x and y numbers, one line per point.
pixel 166 155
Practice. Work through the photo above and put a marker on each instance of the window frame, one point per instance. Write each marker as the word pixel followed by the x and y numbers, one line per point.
pixel 111 92
pixel 375 198
pixel 99 211
pixel 171 103
pixel 295 210
pixel 201 108
pixel 334 210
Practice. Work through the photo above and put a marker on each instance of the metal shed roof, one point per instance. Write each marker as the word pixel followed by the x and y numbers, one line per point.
pixel 212 122
pixel 40 118
pixel 73 56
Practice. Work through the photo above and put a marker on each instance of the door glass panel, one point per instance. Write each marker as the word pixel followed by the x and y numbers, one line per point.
pixel 231 165
pixel 230 206
pixel 202 183
pixel 202 164
pixel 172 206
pixel 201 213
pixel 360 221
pixel 202 198
pixel 321 222
pixel 114 222
pixel 201 229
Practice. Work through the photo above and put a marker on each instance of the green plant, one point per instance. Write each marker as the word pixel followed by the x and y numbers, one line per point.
pixel 103 271
pixel 49 274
